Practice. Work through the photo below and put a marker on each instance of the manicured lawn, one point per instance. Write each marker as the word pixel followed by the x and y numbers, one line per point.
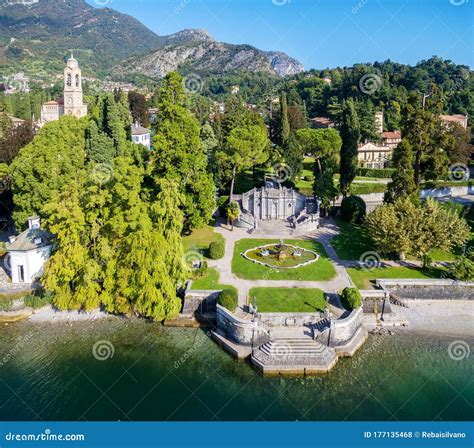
pixel 288 300
pixel 352 242
pixel 362 277
pixel 321 270
pixel 200 240
pixel 209 281
pixel 367 188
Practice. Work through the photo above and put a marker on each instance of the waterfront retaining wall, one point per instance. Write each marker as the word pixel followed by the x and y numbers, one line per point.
pixel 203 302
pixel 240 331
pixel 424 289
pixel 343 330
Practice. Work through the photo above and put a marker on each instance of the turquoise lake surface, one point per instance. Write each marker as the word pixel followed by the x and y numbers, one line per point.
pixel 153 373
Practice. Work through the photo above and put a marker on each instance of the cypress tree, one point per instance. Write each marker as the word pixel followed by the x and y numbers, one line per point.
pixel 350 134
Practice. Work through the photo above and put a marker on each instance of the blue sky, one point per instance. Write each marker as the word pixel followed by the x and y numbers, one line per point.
pixel 322 33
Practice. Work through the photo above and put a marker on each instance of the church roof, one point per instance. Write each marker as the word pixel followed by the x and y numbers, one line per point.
pixel 30 239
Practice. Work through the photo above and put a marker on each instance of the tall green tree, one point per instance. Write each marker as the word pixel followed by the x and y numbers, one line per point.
pixel 403 179
pixel 179 155
pixel 409 229
pixel 285 124
pixel 100 148
pixel 245 148
pixel 52 160
pixel 350 134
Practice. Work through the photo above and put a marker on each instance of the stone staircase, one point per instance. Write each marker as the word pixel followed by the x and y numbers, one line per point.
pixel 293 347
pixel 293 355
pixel 322 325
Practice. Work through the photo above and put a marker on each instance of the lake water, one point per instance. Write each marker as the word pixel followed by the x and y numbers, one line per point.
pixel 49 372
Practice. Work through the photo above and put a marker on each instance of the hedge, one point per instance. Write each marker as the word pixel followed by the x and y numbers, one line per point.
pixel 382 173
pixel 351 299
pixel 353 209
pixel 228 299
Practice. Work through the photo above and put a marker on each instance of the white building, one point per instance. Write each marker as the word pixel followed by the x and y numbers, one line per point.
pixel 141 135
pixel 72 102
pixel 28 252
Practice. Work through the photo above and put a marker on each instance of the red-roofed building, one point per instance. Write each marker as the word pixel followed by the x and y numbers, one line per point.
pixel 322 123
pixel 450 120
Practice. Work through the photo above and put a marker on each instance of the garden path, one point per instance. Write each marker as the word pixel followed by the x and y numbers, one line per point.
pixel 323 235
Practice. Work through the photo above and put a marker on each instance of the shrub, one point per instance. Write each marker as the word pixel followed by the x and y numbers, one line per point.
pixel 353 209
pixel 228 299
pixel 222 204
pixel 36 302
pixel 351 299
pixel 201 271
pixel 217 249
pixel 462 269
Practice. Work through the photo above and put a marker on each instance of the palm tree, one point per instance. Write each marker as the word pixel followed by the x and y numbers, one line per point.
pixel 233 212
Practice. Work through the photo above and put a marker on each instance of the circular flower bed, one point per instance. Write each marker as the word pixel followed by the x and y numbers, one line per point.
pixel 281 256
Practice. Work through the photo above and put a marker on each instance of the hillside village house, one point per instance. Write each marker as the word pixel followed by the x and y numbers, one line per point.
pixel 141 135
pixel 376 155
pixel 28 252
pixel 72 101
pixel 322 123
pixel 449 120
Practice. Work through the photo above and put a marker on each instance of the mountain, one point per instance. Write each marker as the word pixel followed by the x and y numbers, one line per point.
pixel 197 51
pixel 36 35
pixel 46 30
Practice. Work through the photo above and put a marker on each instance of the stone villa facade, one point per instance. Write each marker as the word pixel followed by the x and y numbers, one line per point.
pixel 376 155
pixel 273 202
pixel 72 101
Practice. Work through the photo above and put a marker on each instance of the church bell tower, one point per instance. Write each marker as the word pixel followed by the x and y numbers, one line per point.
pixel 73 103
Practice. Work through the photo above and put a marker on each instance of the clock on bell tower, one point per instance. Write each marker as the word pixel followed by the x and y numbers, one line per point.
pixel 73 103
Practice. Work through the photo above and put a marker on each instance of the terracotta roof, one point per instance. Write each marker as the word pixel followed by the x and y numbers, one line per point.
pixel 392 135
pixel 50 103
pixel 139 130
pixel 322 120
pixel 458 118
